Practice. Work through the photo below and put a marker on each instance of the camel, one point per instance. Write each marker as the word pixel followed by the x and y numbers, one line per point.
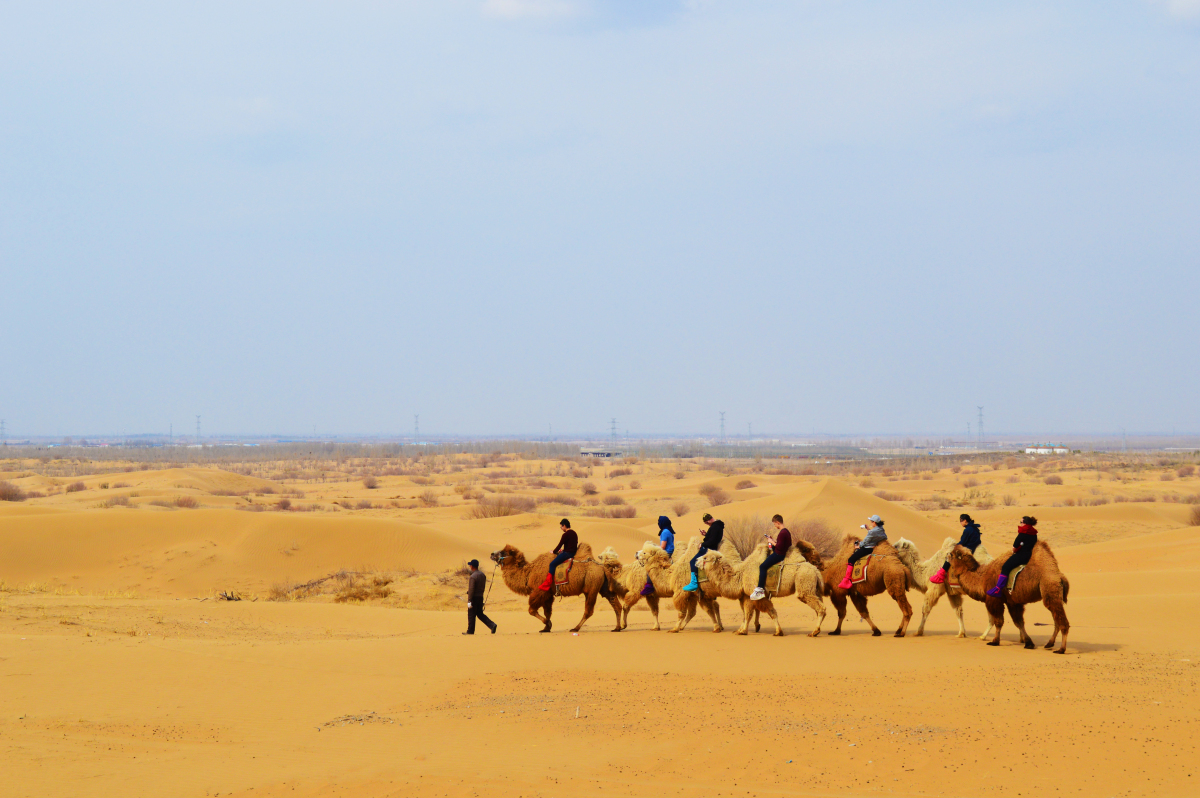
pixel 631 579
pixel 678 575
pixel 891 570
pixel 735 578
pixel 588 578
pixel 1041 580
pixel 933 593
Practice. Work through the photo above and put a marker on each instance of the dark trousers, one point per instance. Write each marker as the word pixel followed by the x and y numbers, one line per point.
pixel 859 553
pixel 699 554
pixel 476 611
pixel 772 559
pixel 558 560
pixel 1019 557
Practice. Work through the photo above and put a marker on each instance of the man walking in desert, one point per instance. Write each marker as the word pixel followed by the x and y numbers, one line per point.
pixel 475 585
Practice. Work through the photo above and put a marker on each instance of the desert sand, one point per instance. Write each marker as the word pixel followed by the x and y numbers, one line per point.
pixel 123 674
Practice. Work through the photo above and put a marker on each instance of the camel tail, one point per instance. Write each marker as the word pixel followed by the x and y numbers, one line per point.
pixel 1066 587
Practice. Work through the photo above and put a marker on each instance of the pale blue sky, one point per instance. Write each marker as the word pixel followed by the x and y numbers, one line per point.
pixel 859 217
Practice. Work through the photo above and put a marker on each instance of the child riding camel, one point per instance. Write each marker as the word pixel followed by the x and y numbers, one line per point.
pixel 568 544
pixel 712 541
pixel 970 540
pixel 875 536
pixel 778 546
pixel 1022 550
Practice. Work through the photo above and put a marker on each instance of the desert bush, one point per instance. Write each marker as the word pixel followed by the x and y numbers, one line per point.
pixel 867 483
pixel 559 498
pixel 116 501
pixel 707 488
pixel 1053 479
pixel 419 480
pixel 680 509
pixel 1014 479
pixel 578 473
pixel 612 500
pixel 1186 471
pixel 937 501
pixel 970 483
pixel 1009 500
pixel 679 475
pixel 824 536
pixel 10 492
pixel 746 532
pixel 619 472
pixel 429 497
pixel 186 502
pixel 364 504
pixel 745 484
pixel 1194 518
pixel 370 482
pixel 589 489
pixel 625 511
pixel 162 503
pixel 1167 477
pixel 75 487
pixel 120 485
pixel 956 469
pixel 284 504
pixel 501 506
pixel 103 486
pixel 1097 501
pixel 635 485
pixel 889 497
pixel 718 497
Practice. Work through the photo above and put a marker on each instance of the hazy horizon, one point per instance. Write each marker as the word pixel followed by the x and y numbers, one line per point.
pixel 508 215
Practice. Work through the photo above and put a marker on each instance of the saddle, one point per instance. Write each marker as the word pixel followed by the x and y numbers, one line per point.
pixel 774 578
pixel 563 573
pixel 1012 578
pixel 701 575
pixel 860 569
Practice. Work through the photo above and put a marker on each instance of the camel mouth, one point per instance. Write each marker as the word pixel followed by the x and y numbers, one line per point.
pixel 497 556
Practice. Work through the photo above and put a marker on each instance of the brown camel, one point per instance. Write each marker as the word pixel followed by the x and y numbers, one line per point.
pixel 735 578
pixel 588 579
pixel 891 570
pixel 1041 580
pixel 631 579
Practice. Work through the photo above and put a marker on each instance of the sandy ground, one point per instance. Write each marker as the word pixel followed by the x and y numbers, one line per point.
pixel 116 679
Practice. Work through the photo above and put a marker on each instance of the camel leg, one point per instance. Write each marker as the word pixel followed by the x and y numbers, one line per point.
pixel 714 612
pixel 860 604
pixel 747 615
pixel 652 603
pixel 897 588
pixel 682 605
pixel 818 606
pixel 757 625
pixel 957 603
pixel 589 606
pixel 931 599
pixel 548 607
pixel 774 617
pixel 995 611
pixel 1017 613
pixel 838 599
pixel 1061 624
pixel 615 603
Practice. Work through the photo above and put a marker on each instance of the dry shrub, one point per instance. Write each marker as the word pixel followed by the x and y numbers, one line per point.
pixel 501 506
pixel 746 532
pixel 867 483
pixel 718 497
pixel 619 472
pixel 364 504
pixel 1097 501
pixel 164 503
pixel 824 536
pixel 679 475
pixel 1194 518
pixel 370 482
pixel 612 500
pixel 635 485
pixel 1009 500
pixel 540 483
pixel 361 588
pixel 680 509
pixel 589 489
pixel 956 469
pixel 625 511
pixel 1186 471
pixel 1053 479
pixel 985 501
pixel 744 484
pixel 116 501
pixel 429 497
pixel 120 485
pixel 1167 477
pixel 578 473
pixel 424 480
pixel 75 487
pixel 1014 479
pixel 559 498
pixel 10 492
pixel 186 502
pixel 707 488
pixel 284 504
pixel 970 483
pixel 937 501
pixel 889 497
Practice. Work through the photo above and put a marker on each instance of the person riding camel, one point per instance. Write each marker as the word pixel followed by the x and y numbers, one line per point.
pixel 666 541
pixel 1022 551
pixel 779 546
pixel 712 540
pixel 875 536
pixel 970 539
pixel 568 544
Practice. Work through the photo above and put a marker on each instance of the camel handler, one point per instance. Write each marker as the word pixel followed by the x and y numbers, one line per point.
pixel 778 546
pixel 568 544
pixel 875 536
pixel 1022 550
pixel 475 585
pixel 971 538
pixel 712 540
pixel 666 542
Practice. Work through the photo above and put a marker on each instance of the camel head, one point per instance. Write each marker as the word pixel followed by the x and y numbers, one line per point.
pixel 509 555
pixel 709 558
pixel 962 560
pixel 609 558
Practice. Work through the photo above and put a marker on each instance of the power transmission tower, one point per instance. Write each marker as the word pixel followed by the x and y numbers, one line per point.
pixel 614 433
pixel 749 430
pixel 968 433
pixel 722 426
pixel 171 434
pixel 197 427
pixel 416 427
pixel 3 434
pixel 979 426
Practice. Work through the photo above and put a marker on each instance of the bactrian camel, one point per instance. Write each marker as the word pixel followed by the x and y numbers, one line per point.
pixel 933 592
pixel 734 578
pixel 678 575
pixel 588 579
pixel 631 579
pixel 1040 581
pixel 891 571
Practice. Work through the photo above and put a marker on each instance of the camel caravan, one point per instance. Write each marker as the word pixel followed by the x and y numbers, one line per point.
pixel 710 569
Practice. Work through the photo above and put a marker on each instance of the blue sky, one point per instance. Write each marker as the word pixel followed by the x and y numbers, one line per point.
pixel 856 217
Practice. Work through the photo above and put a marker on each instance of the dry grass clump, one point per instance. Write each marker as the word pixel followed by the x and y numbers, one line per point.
pixel 1194 518
pixel 612 500
pixel 364 504
pixel 635 485
pixel 1009 500
pixel 680 509
pixel 746 532
pixel 508 504
pixel 937 501
pixel 10 492
pixel 75 487
pixel 578 473
pixel 718 497
pixel 559 498
pixel 970 483
pixel 116 501
pixel 679 475
pixel 889 497
pixel 589 489
pixel 370 482
pixel 619 472
pixel 284 504
pixel 419 480
pixel 1186 471
pixel 623 511
pixel 186 502
pixel 429 497
pixel 744 484
pixel 1013 479
pixel 170 505
pixel 1053 479
pixel 824 536
pixel 1167 477
pixel 361 588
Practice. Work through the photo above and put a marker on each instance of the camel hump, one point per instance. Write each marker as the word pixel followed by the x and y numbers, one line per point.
pixel 884 547
pixel 584 551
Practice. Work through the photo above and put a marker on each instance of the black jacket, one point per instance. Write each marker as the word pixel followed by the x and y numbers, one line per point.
pixel 970 537
pixel 714 535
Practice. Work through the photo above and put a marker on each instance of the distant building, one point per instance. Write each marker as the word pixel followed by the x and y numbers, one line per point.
pixel 1047 448
pixel 600 453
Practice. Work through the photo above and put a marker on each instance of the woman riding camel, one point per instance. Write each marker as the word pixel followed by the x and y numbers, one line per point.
pixel 666 541
pixel 1022 550
pixel 568 544
pixel 712 542
pixel 970 540
pixel 875 536
pixel 778 546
